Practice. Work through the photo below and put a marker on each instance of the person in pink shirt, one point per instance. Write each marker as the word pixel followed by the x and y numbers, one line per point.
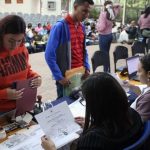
pixel 39 28
pixel 104 27
pixel 144 24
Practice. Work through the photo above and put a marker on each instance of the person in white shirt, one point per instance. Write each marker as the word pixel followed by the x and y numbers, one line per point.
pixel 29 32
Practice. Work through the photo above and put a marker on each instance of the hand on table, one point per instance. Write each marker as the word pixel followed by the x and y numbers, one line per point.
pixel 47 144
pixel 13 94
pixel 135 89
pixel 132 87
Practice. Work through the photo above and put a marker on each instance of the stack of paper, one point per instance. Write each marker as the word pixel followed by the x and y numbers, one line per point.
pixel 77 108
pixel 27 139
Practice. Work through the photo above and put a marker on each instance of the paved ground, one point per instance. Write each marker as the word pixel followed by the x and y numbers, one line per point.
pixel 48 89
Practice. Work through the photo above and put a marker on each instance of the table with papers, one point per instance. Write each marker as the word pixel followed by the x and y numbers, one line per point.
pixel 57 123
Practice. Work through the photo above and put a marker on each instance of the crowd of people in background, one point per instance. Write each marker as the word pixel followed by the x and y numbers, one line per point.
pixel 127 33
pixel 36 38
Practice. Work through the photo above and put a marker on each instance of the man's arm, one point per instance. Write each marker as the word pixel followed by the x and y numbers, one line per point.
pixel 50 52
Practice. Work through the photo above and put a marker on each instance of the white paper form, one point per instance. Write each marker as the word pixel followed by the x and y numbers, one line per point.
pixel 58 124
pixel 77 108
pixel 26 139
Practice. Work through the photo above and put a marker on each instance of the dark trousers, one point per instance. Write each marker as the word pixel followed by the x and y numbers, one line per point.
pixel 59 90
pixel 104 44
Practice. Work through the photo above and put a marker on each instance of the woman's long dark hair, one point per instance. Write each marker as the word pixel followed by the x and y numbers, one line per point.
pixel 106 101
pixel 11 24
pixel 146 12
pixel 108 14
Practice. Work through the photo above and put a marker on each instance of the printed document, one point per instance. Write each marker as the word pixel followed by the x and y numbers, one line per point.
pixel 58 124
pixel 78 108
pixel 26 139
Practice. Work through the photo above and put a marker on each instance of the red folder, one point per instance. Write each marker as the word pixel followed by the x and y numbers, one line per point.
pixel 26 103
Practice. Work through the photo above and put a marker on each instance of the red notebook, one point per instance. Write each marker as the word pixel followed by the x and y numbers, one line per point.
pixel 26 103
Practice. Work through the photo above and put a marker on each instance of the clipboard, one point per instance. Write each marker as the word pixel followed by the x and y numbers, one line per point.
pixel 26 103
pixel 74 75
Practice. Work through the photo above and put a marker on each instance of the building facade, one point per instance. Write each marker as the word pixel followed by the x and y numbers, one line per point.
pixel 44 7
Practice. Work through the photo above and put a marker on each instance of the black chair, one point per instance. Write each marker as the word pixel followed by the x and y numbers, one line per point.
pixel 99 59
pixel 121 52
pixel 138 48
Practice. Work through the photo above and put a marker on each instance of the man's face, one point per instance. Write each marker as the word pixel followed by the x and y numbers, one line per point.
pixel 82 11
pixel 12 41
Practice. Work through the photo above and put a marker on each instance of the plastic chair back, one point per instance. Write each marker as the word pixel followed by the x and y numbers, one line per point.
pixel 138 48
pixel 121 52
pixel 98 59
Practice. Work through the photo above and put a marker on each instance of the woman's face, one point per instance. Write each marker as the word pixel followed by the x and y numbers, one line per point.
pixel 12 41
pixel 143 76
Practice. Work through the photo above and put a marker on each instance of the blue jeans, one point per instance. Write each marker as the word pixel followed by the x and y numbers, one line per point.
pixel 104 44
pixel 59 90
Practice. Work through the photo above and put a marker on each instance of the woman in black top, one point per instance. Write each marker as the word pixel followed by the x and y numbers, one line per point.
pixel 109 122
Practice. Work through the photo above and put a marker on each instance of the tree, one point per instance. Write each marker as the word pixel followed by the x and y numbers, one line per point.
pixel 134 8
pixel 94 13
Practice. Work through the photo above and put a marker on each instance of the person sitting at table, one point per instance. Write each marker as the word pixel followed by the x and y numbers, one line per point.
pixel 39 28
pixel 110 124
pixel 142 103
pixel 14 62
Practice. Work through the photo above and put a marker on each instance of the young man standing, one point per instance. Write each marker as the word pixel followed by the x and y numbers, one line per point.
pixel 66 47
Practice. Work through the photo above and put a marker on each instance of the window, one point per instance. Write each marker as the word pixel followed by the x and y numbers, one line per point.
pixel 19 1
pixel 51 5
pixel 8 1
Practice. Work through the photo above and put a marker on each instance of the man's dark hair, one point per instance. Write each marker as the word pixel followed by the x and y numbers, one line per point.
pixel 80 2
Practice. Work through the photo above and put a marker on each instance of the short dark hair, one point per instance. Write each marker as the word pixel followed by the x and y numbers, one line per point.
pixel 145 61
pixel 106 101
pixel 29 25
pixel 11 24
pixel 80 2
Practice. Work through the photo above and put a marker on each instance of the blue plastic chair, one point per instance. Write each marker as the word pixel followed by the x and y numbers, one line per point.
pixel 145 136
